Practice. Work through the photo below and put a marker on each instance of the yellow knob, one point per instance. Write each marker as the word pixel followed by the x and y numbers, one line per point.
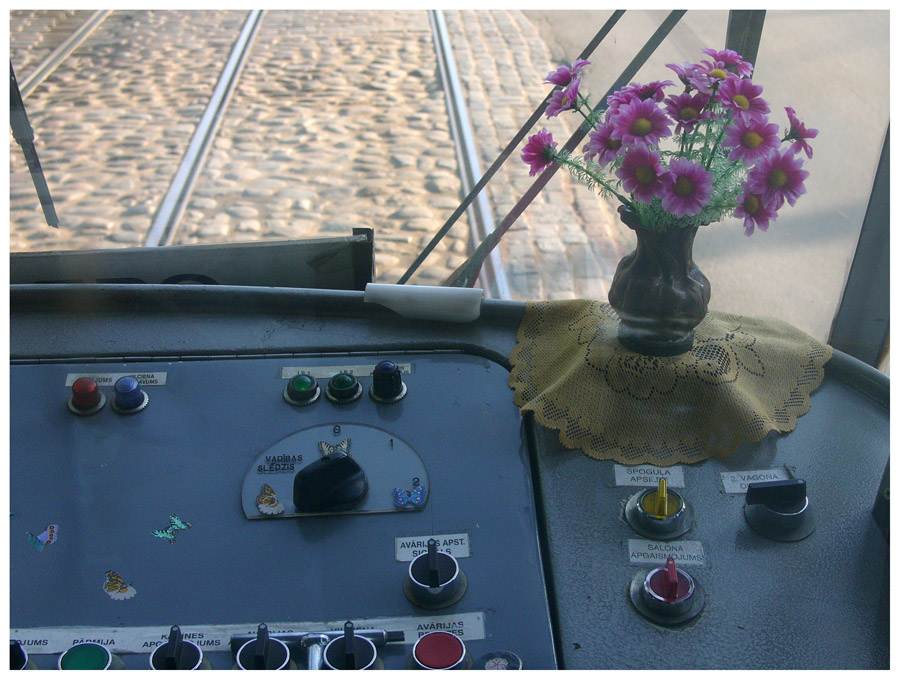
pixel 661 503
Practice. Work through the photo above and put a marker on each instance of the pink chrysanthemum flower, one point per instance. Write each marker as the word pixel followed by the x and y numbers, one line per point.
pixel 602 145
pixel 641 173
pixel 731 58
pixel 706 75
pixel 750 141
pixel 538 151
pixel 687 188
pixel 563 100
pixel 777 177
pixel 640 123
pixel 653 90
pixel 799 134
pixel 755 212
pixel 684 73
pixel 687 110
pixel 566 74
pixel 741 96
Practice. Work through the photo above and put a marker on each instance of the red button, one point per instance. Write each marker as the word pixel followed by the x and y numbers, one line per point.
pixel 85 393
pixel 439 650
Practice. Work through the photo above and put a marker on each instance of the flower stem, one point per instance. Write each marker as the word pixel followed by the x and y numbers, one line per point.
pixel 600 181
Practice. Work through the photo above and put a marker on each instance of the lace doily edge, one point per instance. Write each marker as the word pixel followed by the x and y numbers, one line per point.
pixel 519 387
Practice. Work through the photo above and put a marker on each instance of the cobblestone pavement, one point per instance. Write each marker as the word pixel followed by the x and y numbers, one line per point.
pixel 338 121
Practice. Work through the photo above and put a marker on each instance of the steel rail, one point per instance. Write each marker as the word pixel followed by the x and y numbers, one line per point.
pixel 510 147
pixel 466 274
pixel 57 56
pixel 172 208
pixel 482 223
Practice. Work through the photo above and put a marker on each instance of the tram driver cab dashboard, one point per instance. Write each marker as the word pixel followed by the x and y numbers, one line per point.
pixel 267 477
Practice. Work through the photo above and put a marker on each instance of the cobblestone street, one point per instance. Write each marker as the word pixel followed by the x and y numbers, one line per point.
pixel 339 121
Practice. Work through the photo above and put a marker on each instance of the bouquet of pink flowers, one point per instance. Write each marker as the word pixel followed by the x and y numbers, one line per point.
pixel 723 156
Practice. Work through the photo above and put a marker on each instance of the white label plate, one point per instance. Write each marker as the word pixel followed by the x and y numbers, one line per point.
pixel 643 551
pixel 408 548
pixel 648 475
pixel 109 379
pixel 212 638
pixel 736 482
pixel 326 372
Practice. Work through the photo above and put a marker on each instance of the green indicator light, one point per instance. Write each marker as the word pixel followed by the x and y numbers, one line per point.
pixel 302 383
pixel 342 381
pixel 85 657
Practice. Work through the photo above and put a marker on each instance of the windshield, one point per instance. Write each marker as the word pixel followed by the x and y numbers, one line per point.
pixel 199 127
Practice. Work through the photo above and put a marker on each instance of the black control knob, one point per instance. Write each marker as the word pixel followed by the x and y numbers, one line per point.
pixel 434 579
pixel 334 482
pixel 779 510
pixel 351 652
pixel 177 654
pixel 387 383
pixel 18 657
pixel 343 388
pixel 301 390
pixel 263 653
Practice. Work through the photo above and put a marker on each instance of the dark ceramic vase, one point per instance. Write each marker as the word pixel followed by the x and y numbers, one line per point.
pixel 658 292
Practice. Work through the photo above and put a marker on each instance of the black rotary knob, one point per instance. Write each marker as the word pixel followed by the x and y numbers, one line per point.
pixel 434 579
pixel 351 652
pixel 263 653
pixel 779 510
pixel 387 383
pixel 343 388
pixel 177 654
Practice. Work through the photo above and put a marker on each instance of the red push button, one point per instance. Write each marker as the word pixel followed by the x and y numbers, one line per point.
pixel 439 651
pixel 86 397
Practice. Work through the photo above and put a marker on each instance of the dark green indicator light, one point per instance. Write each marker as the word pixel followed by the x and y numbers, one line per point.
pixel 301 390
pixel 343 388
pixel 302 383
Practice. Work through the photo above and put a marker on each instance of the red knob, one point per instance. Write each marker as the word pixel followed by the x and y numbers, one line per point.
pixel 85 393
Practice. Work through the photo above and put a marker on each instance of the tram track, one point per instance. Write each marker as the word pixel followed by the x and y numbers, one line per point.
pixel 166 226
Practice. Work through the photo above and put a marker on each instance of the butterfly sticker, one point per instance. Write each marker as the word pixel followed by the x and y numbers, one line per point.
pixel 329 449
pixel 175 524
pixel 116 588
pixel 47 537
pixel 267 501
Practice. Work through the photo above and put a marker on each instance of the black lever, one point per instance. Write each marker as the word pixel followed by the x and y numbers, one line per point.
pixel 23 133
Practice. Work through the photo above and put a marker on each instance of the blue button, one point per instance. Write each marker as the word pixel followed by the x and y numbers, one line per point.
pixel 128 392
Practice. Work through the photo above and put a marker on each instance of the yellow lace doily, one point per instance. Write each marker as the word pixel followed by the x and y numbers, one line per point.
pixel 742 379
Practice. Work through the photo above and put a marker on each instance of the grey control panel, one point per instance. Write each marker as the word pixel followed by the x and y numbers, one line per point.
pixel 196 510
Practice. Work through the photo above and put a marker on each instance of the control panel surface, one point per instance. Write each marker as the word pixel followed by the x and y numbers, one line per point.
pixel 185 512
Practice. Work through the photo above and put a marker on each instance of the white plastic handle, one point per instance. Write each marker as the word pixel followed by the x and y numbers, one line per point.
pixel 432 303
